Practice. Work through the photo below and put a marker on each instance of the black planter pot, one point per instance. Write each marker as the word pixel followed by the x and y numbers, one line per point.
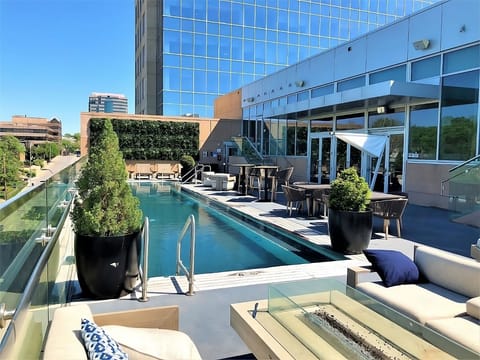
pixel 106 266
pixel 350 231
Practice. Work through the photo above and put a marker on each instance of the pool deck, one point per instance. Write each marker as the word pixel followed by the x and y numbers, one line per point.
pixel 205 316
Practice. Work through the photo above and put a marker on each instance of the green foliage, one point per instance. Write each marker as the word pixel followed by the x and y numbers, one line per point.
pixel 10 164
pixel 187 162
pixel 349 192
pixel 153 140
pixel 46 151
pixel 105 204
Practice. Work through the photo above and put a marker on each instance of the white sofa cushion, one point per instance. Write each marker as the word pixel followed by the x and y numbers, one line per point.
pixel 139 343
pixel 464 330
pixel 473 308
pixel 421 302
pixel 451 271
pixel 64 340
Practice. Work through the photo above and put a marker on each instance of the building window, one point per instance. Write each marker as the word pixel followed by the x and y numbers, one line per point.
pixel 422 134
pixel 388 119
pixel 397 73
pixel 351 83
pixel 349 122
pixel 301 138
pixel 426 68
pixel 459 116
pixel 322 91
pixel 463 59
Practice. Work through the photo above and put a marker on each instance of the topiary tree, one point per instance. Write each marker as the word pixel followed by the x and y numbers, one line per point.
pixel 187 162
pixel 105 205
pixel 349 192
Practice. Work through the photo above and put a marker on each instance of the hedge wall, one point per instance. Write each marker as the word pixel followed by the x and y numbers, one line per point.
pixel 153 140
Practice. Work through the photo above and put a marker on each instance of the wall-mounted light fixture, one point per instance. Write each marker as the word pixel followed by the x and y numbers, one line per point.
pixel 251 99
pixel 299 83
pixel 381 110
pixel 421 44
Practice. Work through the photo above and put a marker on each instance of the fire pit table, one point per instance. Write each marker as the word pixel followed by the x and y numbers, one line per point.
pixel 326 319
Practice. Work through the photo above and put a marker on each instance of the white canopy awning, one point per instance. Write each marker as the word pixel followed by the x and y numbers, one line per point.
pixel 371 144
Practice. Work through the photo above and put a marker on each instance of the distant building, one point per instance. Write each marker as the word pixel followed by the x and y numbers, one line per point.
pixel 107 103
pixel 32 129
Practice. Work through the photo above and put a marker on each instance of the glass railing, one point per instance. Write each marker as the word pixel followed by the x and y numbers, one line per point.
pixel 463 187
pixel 248 150
pixel 31 259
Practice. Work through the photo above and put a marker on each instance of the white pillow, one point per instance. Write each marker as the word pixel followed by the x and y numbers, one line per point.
pixel 156 343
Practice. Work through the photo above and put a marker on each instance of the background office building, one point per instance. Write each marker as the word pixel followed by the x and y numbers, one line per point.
pixel 107 103
pixel 187 52
pixel 33 130
pixel 407 93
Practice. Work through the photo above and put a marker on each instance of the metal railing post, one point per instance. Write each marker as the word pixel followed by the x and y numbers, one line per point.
pixel 145 242
pixel 189 273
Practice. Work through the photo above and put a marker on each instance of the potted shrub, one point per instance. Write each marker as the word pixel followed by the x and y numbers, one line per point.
pixel 350 220
pixel 188 163
pixel 106 219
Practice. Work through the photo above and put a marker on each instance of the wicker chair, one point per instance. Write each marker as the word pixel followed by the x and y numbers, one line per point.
pixel 388 210
pixel 282 177
pixel 295 198
pixel 320 198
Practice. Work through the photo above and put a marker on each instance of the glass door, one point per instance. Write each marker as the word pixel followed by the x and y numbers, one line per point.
pixel 320 158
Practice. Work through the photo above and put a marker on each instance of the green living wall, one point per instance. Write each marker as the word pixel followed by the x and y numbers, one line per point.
pixel 153 140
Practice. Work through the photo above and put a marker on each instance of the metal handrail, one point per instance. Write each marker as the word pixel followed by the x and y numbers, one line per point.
pixel 194 172
pixel 475 158
pixel 465 163
pixel 144 269
pixel 190 223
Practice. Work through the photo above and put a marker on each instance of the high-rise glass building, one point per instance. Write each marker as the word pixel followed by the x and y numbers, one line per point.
pixel 106 102
pixel 188 52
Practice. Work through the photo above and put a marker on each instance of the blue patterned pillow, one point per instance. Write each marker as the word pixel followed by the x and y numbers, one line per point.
pixel 99 344
pixel 393 267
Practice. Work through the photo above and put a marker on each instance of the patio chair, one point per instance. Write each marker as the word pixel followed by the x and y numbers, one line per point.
pixel 254 180
pixel 282 177
pixel 294 197
pixel 388 210
pixel 320 198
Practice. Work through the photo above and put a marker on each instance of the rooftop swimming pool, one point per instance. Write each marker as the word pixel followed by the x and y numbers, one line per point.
pixel 225 239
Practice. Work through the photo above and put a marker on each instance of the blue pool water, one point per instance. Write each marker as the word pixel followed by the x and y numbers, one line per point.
pixel 223 241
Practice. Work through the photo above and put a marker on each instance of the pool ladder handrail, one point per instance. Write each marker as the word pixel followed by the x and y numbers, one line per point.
pixel 189 223
pixel 145 237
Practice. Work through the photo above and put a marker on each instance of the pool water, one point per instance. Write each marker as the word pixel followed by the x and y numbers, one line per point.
pixel 223 241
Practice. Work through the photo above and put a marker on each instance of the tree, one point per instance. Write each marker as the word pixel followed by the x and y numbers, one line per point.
pixel 10 149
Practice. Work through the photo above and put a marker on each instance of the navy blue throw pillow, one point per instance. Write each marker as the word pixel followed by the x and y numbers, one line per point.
pixel 393 267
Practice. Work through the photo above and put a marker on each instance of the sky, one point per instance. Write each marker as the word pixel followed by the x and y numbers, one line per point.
pixel 55 53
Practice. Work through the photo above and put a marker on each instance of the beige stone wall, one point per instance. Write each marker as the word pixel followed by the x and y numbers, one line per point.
pixel 423 184
pixel 229 106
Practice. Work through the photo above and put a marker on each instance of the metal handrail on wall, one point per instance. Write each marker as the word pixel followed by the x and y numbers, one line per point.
pixel 190 223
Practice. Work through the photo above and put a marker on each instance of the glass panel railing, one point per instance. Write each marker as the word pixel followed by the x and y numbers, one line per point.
pixel 463 188
pixel 248 150
pixel 30 260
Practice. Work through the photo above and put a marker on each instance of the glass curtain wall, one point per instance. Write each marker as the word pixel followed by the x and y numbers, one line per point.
pixel 212 47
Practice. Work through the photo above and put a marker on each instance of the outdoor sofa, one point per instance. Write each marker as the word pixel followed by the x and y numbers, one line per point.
pixel 438 289
pixel 150 333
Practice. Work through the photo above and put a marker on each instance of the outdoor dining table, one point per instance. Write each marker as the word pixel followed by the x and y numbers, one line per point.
pixel 379 196
pixel 309 189
pixel 242 176
pixel 266 171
